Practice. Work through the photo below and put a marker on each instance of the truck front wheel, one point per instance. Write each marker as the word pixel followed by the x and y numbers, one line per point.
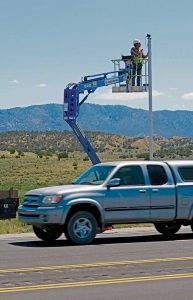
pixel 168 228
pixel 48 234
pixel 81 228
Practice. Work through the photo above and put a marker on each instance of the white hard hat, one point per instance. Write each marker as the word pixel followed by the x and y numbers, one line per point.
pixel 136 41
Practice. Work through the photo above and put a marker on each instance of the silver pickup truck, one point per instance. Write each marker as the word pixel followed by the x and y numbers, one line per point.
pixel 112 193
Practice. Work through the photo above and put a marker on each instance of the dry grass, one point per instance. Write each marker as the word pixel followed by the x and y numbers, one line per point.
pixel 13 226
pixel 30 172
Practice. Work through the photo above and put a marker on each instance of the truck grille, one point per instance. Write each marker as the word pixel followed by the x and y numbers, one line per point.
pixel 32 201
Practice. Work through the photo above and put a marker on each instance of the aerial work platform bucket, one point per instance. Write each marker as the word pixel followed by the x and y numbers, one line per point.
pixel 129 86
pixel 129 89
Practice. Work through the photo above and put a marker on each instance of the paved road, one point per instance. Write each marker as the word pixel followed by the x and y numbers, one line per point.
pixel 121 264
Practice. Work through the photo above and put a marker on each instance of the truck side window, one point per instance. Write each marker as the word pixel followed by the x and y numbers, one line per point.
pixel 157 175
pixel 130 175
pixel 186 173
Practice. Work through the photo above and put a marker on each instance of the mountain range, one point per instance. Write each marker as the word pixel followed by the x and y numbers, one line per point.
pixel 116 119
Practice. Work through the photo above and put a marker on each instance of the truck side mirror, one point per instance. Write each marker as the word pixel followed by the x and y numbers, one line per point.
pixel 113 182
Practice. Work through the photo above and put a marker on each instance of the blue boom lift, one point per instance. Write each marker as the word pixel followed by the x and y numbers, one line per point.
pixel 120 78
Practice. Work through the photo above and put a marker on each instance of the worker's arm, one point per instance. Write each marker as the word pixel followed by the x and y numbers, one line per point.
pixel 134 52
pixel 144 55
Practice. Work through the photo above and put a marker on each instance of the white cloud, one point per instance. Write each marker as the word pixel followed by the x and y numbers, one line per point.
pixel 173 89
pixel 188 96
pixel 42 85
pixel 14 81
pixel 157 93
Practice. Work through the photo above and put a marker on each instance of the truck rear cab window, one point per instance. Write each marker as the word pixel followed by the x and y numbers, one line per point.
pixel 130 175
pixel 186 173
pixel 157 175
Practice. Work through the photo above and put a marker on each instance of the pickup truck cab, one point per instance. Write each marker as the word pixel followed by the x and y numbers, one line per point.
pixel 113 193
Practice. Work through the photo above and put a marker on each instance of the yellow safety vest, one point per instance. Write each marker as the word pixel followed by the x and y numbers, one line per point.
pixel 137 59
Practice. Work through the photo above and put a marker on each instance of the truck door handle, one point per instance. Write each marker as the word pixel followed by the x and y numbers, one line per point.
pixel 155 190
pixel 142 191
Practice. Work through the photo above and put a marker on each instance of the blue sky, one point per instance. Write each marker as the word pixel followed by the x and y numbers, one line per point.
pixel 45 44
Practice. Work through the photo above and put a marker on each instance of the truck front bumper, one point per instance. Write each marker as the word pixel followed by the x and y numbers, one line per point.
pixel 42 215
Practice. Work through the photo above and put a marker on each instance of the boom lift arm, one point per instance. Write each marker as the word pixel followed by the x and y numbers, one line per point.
pixel 72 102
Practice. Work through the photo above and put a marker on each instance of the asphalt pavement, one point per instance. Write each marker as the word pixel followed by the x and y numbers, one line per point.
pixel 136 263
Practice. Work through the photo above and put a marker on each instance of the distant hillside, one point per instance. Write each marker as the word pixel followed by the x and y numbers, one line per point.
pixel 55 143
pixel 114 119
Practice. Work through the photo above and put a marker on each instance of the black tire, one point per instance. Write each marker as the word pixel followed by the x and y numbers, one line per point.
pixel 48 234
pixel 168 228
pixel 81 228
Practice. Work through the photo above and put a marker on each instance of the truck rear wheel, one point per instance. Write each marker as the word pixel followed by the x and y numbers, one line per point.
pixel 168 228
pixel 48 234
pixel 81 228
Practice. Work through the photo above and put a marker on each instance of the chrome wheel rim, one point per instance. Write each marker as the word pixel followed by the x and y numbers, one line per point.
pixel 82 228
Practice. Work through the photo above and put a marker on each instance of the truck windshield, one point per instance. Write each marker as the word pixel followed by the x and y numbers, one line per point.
pixel 95 175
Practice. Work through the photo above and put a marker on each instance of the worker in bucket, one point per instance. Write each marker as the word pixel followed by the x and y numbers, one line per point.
pixel 137 57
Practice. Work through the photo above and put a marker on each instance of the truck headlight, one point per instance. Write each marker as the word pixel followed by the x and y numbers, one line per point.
pixel 52 199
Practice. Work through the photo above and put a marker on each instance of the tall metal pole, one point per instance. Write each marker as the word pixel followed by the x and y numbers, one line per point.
pixel 150 118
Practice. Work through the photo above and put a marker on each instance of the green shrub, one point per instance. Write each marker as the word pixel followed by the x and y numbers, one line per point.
pixel 62 155
pixel 12 151
pixel 85 158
